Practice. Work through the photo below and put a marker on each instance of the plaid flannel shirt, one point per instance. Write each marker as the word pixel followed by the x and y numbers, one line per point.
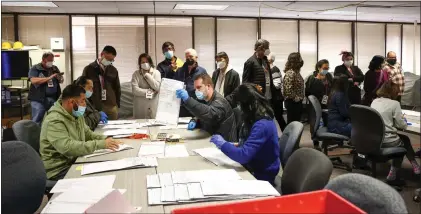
pixel 396 75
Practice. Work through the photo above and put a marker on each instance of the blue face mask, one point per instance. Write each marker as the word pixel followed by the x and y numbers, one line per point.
pixel 199 95
pixel 169 54
pixel 88 94
pixel 80 111
pixel 324 72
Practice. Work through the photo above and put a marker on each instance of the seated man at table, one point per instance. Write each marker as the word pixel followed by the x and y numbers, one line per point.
pixel 215 115
pixel 65 136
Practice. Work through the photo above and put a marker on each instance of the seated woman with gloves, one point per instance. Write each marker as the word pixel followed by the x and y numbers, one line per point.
pixel 92 116
pixel 215 116
pixel 258 148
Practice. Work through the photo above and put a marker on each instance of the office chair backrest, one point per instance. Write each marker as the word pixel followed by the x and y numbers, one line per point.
pixel 290 140
pixel 23 178
pixel 367 193
pixel 314 115
pixel 307 170
pixel 368 129
pixel 29 132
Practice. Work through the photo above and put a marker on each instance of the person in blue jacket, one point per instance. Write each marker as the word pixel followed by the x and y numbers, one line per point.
pixel 338 106
pixel 258 148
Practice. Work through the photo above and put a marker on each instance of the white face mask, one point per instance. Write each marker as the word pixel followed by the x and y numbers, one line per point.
pixel 220 64
pixel 49 64
pixel 348 63
pixel 267 52
pixel 145 66
pixel 105 62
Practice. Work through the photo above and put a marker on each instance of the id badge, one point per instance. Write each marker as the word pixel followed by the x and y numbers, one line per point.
pixel 104 94
pixel 149 94
pixel 324 99
pixel 50 84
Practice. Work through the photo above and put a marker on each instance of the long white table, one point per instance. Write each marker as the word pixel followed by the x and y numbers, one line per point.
pixel 412 117
pixel 134 180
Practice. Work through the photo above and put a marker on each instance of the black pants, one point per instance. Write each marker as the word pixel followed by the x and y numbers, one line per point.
pixel 294 110
pixel 279 112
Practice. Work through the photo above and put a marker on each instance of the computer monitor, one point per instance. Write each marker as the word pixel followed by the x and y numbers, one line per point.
pixel 14 64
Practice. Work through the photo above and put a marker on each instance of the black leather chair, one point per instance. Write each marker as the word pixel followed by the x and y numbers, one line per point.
pixel 29 132
pixel 367 136
pixel 290 140
pixel 23 178
pixel 320 133
pixel 307 170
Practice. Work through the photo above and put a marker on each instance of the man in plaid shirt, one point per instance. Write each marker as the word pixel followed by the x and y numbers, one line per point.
pixel 394 70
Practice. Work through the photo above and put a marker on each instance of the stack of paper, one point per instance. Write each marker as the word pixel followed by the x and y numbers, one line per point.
pixel 124 132
pixel 98 182
pixel 118 122
pixel 121 147
pixel 183 120
pixel 126 163
pixel 161 150
pixel 215 156
pixel 183 126
pixel 125 126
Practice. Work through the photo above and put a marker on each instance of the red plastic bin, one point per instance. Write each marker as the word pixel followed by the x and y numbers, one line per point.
pixel 323 201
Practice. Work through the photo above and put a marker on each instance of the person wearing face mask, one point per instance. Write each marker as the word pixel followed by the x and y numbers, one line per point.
pixel 293 86
pixel 107 90
pixel 320 82
pixel 394 70
pixel 186 74
pixel 215 115
pixel 374 78
pixel 169 66
pixel 354 74
pixel 278 98
pixel 225 78
pixel 92 116
pixel 65 136
pixel 45 88
pixel 145 86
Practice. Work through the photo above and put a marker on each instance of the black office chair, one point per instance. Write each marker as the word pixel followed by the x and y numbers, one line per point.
pixel 367 136
pixel 290 140
pixel 307 170
pixel 29 132
pixel 23 178
pixel 320 133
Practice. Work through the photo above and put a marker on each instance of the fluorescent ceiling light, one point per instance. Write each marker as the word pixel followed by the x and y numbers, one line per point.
pixel 200 7
pixel 339 13
pixel 29 4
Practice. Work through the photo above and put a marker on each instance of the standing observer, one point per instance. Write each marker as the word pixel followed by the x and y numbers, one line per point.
pixel 145 87
pixel 293 87
pixel 278 98
pixel 224 78
pixel 394 70
pixel 168 67
pixel 354 74
pixel 45 89
pixel 320 82
pixel 374 78
pixel 107 91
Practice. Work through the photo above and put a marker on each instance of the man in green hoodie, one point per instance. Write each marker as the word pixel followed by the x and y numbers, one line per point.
pixel 65 136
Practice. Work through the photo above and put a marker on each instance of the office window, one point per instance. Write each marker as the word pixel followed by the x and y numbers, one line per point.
pixel 411 48
pixel 84 43
pixel 283 45
pixel 7 29
pixel 369 42
pixel 237 38
pixel 393 39
pixel 127 36
pixel 308 47
pixel 333 38
pixel 173 29
pixel 204 42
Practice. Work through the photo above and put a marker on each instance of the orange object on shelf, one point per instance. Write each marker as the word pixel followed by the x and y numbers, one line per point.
pixel 322 201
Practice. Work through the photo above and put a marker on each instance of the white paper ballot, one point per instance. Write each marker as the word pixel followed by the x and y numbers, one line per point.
pixel 183 120
pixel 84 196
pixel 216 156
pixel 105 182
pixel 181 193
pixel 238 188
pixel 169 127
pixel 121 147
pixel 167 194
pixel 65 207
pixel 126 163
pixel 195 191
pixel 124 132
pixel 152 149
pixel 124 126
pixel 221 175
pixel 168 104
pixel 152 181
pixel 118 122
pixel 154 196
pixel 165 179
pixel 172 151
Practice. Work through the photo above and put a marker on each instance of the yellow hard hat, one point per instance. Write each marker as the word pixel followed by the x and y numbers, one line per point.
pixel 6 46
pixel 17 45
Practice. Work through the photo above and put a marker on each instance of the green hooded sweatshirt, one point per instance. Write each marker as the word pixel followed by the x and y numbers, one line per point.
pixel 64 138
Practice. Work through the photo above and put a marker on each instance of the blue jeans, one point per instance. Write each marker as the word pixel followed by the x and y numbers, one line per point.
pixel 39 109
pixel 344 130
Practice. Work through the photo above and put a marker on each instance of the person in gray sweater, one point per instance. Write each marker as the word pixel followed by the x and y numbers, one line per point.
pixel 390 110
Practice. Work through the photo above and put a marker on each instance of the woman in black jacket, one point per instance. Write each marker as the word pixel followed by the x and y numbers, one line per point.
pixel 320 82
pixel 353 73
pixel 224 78
pixel 374 79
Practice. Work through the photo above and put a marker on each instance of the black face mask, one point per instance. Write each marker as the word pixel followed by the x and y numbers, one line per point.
pixel 391 61
pixel 190 62
pixel 301 63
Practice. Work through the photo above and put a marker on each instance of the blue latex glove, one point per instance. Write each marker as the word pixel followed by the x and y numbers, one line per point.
pixel 192 125
pixel 218 140
pixel 407 122
pixel 104 117
pixel 182 94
